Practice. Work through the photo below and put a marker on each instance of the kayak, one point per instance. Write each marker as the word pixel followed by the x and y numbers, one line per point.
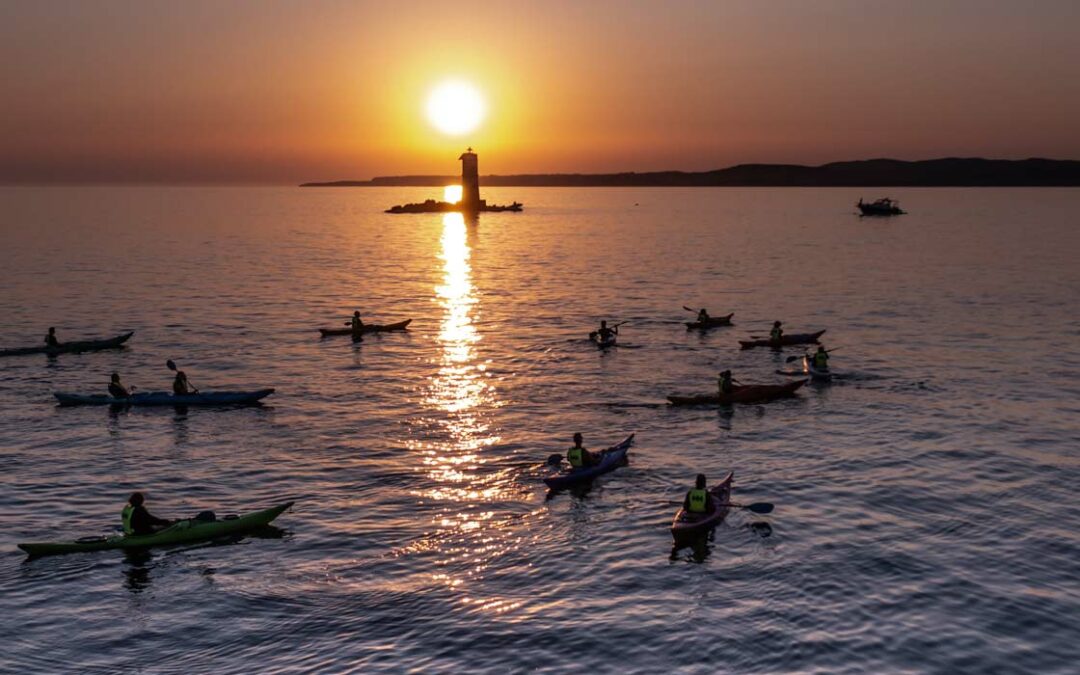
pixel 181 532
pixel 785 340
pixel 165 398
pixel 72 347
pixel 713 322
pixel 603 344
pixel 815 374
pixel 368 328
pixel 609 461
pixel 691 525
pixel 750 393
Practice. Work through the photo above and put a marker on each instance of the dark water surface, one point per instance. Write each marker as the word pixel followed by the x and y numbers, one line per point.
pixel 927 517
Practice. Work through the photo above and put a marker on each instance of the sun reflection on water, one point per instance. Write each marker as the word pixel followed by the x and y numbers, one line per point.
pixel 459 401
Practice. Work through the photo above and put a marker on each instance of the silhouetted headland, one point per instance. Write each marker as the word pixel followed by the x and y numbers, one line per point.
pixel 949 172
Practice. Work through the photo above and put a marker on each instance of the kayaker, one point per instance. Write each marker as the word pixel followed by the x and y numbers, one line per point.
pixel 820 359
pixel 702 316
pixel 605 333
pixel 117 389
pixel 777 332
pixel 180 385
pixel 578 456
pixel 725 382
pixel 50 339
pixel 699 500
pixel 137 520
pixel 357 327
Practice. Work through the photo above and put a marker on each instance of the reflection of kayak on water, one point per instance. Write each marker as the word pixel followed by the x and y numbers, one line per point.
pixel 181 532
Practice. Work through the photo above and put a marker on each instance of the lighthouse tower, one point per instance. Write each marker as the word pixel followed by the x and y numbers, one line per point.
pixel 470 181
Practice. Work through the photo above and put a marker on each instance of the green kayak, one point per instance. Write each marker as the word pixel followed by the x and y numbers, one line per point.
pixel 181 532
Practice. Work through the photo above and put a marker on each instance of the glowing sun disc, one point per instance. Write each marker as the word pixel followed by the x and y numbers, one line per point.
pixel 455 108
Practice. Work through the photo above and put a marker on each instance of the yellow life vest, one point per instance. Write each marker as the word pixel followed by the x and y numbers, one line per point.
pixel 698 500
pixel 821 360
pixel 125 517
pixel 576 457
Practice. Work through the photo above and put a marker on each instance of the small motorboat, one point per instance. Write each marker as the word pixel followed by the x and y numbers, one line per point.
pixel 881 207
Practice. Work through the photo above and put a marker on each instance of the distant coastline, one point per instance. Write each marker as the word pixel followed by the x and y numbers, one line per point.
pixel 949 172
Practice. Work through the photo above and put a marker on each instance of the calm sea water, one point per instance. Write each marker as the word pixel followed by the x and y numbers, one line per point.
pixel 926 519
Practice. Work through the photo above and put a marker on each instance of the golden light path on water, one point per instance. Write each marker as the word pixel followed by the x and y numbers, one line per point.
pixel 460 398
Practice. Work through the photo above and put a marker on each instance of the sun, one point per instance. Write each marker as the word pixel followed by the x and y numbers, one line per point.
pixel 455 107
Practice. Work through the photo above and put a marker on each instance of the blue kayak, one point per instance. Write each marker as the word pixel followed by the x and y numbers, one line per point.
pixel 165 398
pixel 610 460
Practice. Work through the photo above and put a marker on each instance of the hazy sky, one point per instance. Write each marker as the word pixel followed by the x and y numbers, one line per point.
pixel 278 92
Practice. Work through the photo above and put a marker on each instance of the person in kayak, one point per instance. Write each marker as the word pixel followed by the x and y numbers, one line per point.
pixel 777 333
pixel 578 456
pixel 357 327
pixel 181 386
pixel 605 333
pixel 726 383
pixel 50 339
pixel 699 500
pixel 820 359
pixel 117 388
pixel 137 520
pixel 702 316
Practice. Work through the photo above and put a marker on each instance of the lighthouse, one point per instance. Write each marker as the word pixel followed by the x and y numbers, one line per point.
pixel 470 182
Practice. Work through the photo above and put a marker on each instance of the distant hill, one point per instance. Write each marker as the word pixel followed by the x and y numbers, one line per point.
pixel 949 172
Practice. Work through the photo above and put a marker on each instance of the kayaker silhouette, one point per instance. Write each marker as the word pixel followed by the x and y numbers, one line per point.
pixel 578 456
pixel 698 499
pixel 50 339
pixel 137 520
pixel 777 332
pixel 703 316
pixel 357 327
pixel 181 386
pixel 117 388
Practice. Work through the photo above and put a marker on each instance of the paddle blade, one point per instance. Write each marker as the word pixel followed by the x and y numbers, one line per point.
pixel 759 507
pixel 554 459
pixel 170 365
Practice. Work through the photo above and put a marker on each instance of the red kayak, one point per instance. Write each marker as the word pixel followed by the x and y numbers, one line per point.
pixel 750 393
pixel 691 525
pixel 368 328
pixel 713 322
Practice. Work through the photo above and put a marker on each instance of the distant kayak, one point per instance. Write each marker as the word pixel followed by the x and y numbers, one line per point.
pixel 815 374
pixel 713 322
pixel 72 347
pixel 603 344
pixel 751 393
pixel 181 532
pixel 158 398
pixel 786 340
pixel 609 461
pixel 689 525
pixel 368 328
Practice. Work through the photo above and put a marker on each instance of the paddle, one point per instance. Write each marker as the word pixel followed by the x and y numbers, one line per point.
pixel 797 356
pixel 689 310
pixel 172 366
pixel 757 507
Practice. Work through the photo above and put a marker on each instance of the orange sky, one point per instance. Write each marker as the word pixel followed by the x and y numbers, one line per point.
pixel 282 92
